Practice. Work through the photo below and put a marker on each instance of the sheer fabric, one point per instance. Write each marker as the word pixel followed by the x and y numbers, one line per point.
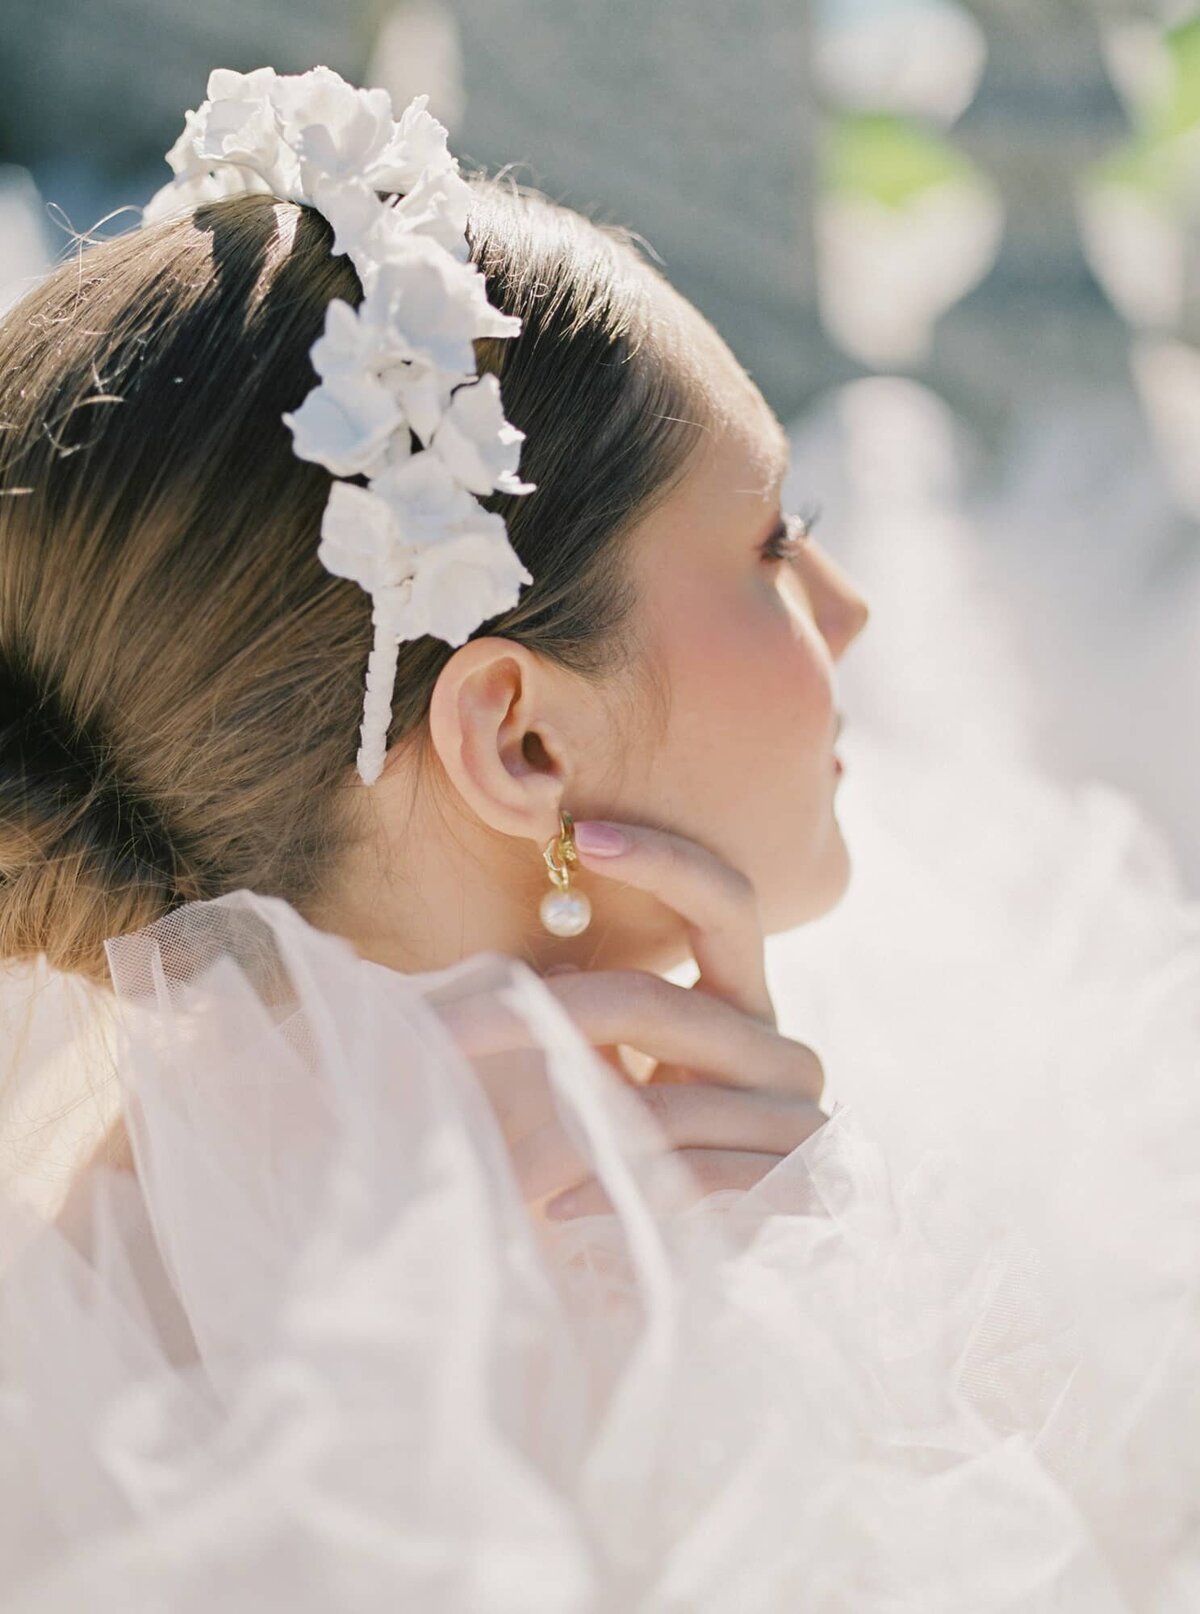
pixel 319 1351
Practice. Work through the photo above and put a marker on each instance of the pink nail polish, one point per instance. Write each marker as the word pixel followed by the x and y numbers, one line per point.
pixel 600 839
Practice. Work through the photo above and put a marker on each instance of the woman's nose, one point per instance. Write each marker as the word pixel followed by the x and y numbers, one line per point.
pixel 840 610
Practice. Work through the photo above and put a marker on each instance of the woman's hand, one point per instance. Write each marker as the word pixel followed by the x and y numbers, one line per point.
pixel 731 1094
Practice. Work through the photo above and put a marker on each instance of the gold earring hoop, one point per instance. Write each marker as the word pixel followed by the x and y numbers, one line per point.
pixel 563 911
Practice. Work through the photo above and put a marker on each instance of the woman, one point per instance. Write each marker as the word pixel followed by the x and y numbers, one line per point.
pixel 327 1316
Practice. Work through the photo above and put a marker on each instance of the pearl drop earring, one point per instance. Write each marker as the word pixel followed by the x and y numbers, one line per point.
pixel 563 912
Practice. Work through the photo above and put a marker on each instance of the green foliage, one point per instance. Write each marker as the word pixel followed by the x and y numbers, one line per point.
pixel 888 159
pixel 1180 109
pixel 1162 158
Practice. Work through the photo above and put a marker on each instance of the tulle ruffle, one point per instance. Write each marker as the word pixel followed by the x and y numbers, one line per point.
pixel 320 1355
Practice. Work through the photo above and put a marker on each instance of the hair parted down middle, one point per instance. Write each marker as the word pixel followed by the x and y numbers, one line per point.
pixel 180 677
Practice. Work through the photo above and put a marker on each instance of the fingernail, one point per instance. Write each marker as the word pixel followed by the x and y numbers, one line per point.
pixel 601 839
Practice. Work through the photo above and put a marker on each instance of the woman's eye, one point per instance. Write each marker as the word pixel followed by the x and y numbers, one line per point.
pixel 796 530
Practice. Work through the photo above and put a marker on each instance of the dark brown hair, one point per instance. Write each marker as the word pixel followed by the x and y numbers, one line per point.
pixel 180 678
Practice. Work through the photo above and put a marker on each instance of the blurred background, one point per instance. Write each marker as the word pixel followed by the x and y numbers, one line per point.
pixel 956 245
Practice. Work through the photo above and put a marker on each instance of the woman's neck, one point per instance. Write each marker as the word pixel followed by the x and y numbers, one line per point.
pixel 448 887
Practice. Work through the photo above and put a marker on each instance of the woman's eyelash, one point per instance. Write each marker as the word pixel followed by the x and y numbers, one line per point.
pixel 797 528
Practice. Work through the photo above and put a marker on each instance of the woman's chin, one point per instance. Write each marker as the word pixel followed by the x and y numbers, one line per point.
pixel 815 891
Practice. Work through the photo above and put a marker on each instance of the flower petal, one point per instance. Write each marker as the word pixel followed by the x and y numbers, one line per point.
pixel 477 443
pixel 464 582
pixel 429 505
pixel 344 424
pixel 361 540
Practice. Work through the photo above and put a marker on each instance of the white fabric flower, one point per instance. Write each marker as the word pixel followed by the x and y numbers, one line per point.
pixel 426 306
pixel 429 504
pixel 347 133
pixel 345 423
pixel 237 129
pixel 351 208
pixel 413 331
pixel 361 539
pixel 437 205
pixel 422 394
pixel 334 127
pixel 230 146
pixel 464 581
pixel 417 523
pixel 358 342
pixel 239 125
pixel 185 195
pixel 401 363
pixel 346 346
pixel 418 148
pixel 477 443
pixel 183 158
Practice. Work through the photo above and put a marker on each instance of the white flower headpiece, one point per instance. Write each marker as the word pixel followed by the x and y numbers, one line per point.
pixel 417 538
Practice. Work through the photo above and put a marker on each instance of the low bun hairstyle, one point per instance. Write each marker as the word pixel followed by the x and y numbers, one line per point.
pixel 181 679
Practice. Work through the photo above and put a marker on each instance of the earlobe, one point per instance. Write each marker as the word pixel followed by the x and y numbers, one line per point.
pixel 498 750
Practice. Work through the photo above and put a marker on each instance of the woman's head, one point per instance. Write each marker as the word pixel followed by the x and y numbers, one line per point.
pixel 182 679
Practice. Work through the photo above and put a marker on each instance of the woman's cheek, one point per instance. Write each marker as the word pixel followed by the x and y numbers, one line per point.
pixel 704 655
pixel 751 698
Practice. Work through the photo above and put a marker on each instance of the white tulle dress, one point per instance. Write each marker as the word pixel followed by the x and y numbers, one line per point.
pixel 319 1355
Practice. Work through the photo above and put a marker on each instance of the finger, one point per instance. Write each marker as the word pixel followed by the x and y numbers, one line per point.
pixel 671 1023
pixel 709 1171
pixel 485 1023
pixel 717 903
pixel 700 1117
pixel 677 1027
pixel 610 1052
pixel 707 1116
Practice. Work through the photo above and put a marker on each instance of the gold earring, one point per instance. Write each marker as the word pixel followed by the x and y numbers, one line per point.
pixel 563 912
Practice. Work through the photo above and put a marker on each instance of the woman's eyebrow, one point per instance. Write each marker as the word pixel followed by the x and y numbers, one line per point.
pixel 774 461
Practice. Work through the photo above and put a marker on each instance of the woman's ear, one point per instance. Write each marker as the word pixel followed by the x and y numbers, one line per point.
pixel 490 720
